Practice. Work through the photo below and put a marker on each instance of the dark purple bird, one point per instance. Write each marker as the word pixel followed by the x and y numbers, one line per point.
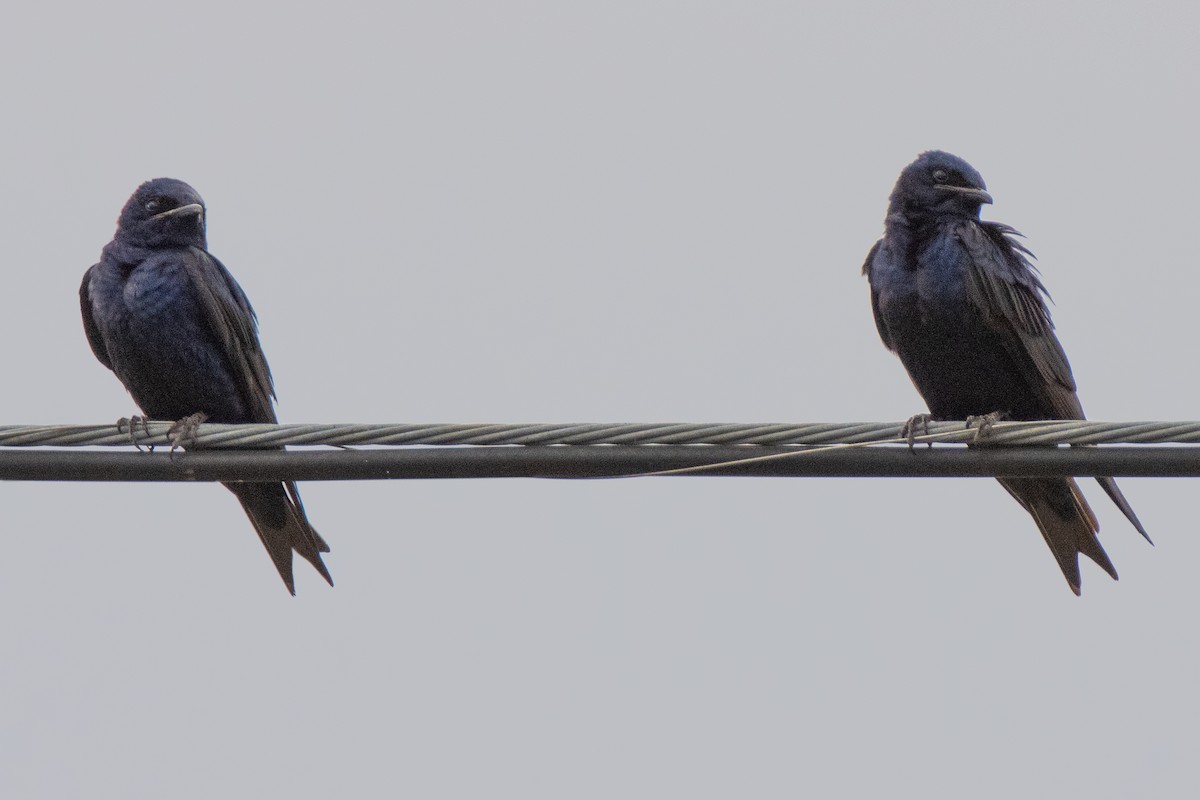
pixel 958 300
pixel 167 317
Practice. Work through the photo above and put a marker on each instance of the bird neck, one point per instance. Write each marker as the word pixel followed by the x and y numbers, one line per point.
pixel 136 245
pixel 920 221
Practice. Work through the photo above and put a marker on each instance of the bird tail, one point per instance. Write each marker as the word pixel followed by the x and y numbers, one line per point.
pixel 1110 488
pixel 1066 521
pixel 278 517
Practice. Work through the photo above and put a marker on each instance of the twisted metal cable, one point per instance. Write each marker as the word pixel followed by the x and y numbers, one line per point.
pixel 365 452
pixel 260 436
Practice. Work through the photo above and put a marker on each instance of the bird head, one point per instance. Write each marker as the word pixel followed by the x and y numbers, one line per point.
pixel 938 184
pixel 163 212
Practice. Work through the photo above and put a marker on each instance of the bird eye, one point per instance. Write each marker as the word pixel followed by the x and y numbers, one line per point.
pixel 153 205
pixel 940 176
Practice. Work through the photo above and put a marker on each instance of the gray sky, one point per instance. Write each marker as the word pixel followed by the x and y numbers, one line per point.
pixel 643 211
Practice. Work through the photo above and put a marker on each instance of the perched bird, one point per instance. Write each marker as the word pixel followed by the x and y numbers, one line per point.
pixel 958 301
pixel 167 317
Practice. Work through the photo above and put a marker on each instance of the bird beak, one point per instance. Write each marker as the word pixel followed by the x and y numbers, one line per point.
pixel 190 208
pixel 978 195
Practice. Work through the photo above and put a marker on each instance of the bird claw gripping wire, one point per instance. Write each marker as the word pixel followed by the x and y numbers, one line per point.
pixel 911 426
pixel 983 423
pixel 133 423
pixel 184 430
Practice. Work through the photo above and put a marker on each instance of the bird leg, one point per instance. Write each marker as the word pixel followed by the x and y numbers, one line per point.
pixel 184 430
pixel 915 422
pixel 983 423
pixel 133 423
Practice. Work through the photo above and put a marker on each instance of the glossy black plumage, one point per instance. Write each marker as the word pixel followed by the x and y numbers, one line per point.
pixel 167 317
pixel 958 301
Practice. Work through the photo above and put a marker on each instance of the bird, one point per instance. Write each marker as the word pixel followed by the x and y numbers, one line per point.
pixel 958 299
pixel 171 322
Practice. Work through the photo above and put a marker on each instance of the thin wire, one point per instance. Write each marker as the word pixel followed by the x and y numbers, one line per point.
pixel 616 461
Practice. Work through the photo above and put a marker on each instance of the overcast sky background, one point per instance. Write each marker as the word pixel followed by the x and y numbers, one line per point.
pixel 641 211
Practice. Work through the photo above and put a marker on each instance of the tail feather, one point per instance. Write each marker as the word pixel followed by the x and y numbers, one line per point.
pixel 1110 488
pixel 315 538
pixel 1066 521
pixel 278 517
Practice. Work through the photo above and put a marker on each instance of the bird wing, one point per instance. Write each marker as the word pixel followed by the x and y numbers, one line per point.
pixel 880 325
pixel 275 509
pixel 94 336
pixel 1004 286
pixel 1010 299
pixel 234 326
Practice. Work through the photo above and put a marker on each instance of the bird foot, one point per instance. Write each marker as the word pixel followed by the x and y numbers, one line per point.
pixel 132 423
pixel 184 430
pixel 916 422
pixel 983 423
